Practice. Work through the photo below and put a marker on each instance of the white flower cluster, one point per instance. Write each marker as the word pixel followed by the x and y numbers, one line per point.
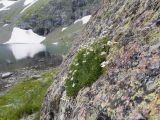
pixel 76 64
pixel 72 79
pixel 109 43
pixel 73 85
pixel 91 49
pixel 83 47
pixel 72 72
pixel 104 64
pixel 103 53
pixel 88 52
pixel 64 97
pixel 84 61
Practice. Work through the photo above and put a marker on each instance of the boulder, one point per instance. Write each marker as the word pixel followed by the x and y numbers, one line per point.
pixel 35 76
pixel 6 75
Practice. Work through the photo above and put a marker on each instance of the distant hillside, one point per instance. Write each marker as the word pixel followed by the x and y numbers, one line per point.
pixel 45 15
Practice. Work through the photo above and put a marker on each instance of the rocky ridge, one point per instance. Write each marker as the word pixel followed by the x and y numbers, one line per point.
pixel 130 86
pixel 57 13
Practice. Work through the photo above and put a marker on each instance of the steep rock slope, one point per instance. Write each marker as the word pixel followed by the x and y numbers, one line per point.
pixel 45 15
pixel 129 87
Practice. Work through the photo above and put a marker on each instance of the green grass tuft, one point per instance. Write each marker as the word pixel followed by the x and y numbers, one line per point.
pixel 86 67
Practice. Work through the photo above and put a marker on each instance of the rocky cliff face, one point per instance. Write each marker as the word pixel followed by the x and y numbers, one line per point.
pixel 129 88
pixel 57 13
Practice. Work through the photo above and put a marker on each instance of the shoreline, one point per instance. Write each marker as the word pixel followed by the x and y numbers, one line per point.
pixel 20 75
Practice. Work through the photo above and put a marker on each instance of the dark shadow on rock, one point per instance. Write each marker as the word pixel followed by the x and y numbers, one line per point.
pixel 102 116
pixel 42 31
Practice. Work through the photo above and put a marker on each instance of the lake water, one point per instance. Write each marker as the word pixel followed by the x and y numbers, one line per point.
pixel 14 56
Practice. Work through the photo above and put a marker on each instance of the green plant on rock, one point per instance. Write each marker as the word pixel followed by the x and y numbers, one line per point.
pixel 86 67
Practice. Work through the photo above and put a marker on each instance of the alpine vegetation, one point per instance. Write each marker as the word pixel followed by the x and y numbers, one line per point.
pixel 86 67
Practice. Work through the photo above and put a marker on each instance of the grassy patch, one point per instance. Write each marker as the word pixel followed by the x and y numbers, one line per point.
pixel 25 98
pixel 35 8
pixel 64 38
pixel 86 67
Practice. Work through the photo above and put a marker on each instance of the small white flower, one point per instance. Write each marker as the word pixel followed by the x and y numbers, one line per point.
pixel 111 43
pixel 84 61
pixel 87 53
pixel 73 85
pixel 70 71
pixel 104 32
pixel 77 64
pixel 72 79
pixel 91 50
pixel 103 53
pixel 104 64
pixel 64 77
pixel 84 46
pixel 74 72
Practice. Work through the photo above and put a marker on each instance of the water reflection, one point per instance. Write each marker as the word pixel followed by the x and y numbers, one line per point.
pixel 21 51
pixel 14 56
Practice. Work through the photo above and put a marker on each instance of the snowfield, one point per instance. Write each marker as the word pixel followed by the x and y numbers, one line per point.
pixel 6 4
pixel 28 3
pixel 84 20
pixel 55 43
pixel 24 36
pixel 63 29
pixel 5 25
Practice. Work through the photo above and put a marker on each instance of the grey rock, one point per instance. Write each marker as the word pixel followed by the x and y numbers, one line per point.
pixel 150 86
pixel 102 116
pixel 154 69
pixel 36 76
pixel 6 75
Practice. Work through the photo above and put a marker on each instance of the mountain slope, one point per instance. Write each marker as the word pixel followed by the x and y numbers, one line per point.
pixel 46 15
pixel 129 87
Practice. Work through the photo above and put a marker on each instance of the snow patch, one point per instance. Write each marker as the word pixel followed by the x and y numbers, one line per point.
pixel 5 25
pixel 84 20
pixel 28 3
pixel 63 29
pixel 24 36
pixel 56 43
pixel 6 4
pixel 21 51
